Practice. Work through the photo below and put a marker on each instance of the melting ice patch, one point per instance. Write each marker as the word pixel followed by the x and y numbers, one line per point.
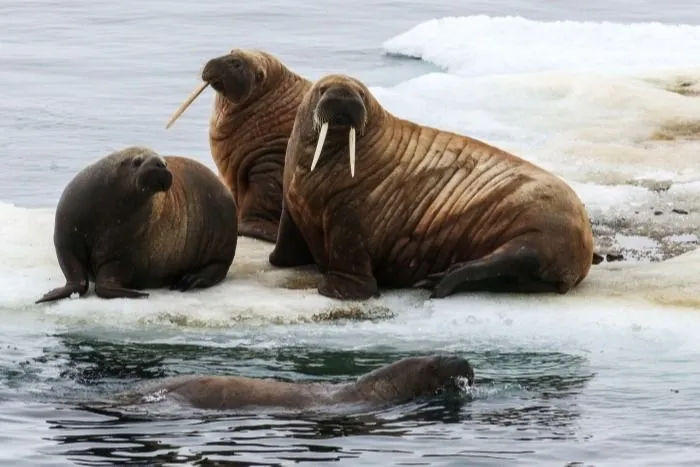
pixel 255 294
pixel 603 129
pixel 483 45
pixel 601 102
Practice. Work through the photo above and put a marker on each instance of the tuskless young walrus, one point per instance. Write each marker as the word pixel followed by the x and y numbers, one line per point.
pixel 375 200
pixel 135 220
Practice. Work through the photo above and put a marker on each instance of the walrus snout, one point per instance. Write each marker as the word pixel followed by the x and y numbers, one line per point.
pixel 229 75
pixel 340 106
pixel 154 175
pixel 449 367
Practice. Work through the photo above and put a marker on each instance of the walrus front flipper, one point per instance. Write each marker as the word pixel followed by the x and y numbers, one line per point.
pixel 349 274
pixel 261 207
pixel 208 276
pixel 74 272
pixel 64 292
pixel 290 248
pixel 511 268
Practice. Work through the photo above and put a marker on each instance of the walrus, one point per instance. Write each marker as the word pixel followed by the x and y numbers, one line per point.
pixel 401 381
pixel 256 101
pixel 420 207
pixel 136 220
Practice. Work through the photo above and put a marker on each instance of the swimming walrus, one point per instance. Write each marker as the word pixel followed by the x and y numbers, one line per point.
pixel 256 101
pixel 136 220
pixel 398 382
pixel 427 208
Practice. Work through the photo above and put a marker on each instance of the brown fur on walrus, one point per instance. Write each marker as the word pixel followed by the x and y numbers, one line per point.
pixel 425 207
pixel 136 220
pixel 398 382
pixel 256 101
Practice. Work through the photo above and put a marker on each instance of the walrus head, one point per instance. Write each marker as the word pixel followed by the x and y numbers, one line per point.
pixel 235 76
pixel 416 377
pixel 338 104
pixel 151 173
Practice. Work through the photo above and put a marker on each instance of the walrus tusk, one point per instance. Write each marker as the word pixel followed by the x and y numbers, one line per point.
pixel 351 144
pixel 319 145
pixel 198 90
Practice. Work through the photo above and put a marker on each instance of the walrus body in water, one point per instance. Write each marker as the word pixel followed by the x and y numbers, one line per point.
pixel 398 382
pixel 375 200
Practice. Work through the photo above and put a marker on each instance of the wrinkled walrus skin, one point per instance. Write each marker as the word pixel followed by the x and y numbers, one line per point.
pixel 256 102
pixel 398 382
pixel 135 220
pixel 424 208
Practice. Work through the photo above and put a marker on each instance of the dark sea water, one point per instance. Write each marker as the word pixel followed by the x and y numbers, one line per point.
pixel 556 384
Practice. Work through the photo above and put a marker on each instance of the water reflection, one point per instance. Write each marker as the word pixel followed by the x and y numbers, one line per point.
pixel 519 397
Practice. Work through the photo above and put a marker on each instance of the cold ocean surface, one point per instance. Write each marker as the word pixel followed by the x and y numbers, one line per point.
pixel 605 94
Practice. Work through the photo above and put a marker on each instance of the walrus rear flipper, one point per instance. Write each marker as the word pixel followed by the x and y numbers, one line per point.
pixel 209 275
pixel 511 268
pixel 113 291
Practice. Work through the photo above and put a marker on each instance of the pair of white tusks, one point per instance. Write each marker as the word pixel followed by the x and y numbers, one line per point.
pixel 319 147
pixel 197 91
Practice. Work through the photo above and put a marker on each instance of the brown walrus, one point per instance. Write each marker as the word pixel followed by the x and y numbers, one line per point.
pixel 256 101
pixel 398 382
pixel 428 208
pixel 136 220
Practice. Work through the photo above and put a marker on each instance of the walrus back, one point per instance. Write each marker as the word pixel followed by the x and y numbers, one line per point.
pixel 448 198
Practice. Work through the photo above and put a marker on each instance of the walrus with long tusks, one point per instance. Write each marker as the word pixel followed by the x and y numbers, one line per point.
pixel 375 200
pixel 398 382
pixel 256 101
pixel 136 220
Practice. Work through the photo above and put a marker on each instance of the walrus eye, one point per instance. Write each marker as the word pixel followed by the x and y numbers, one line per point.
pixel 137 162
pixel 236 63
pixel 259 76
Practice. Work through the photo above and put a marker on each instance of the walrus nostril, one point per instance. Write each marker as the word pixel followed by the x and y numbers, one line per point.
pixel 161 164
pixel 236 63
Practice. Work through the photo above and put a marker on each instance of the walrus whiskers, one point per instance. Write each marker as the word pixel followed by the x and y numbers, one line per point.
pixel 351 144
pixel 319 145
pixel 197 91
